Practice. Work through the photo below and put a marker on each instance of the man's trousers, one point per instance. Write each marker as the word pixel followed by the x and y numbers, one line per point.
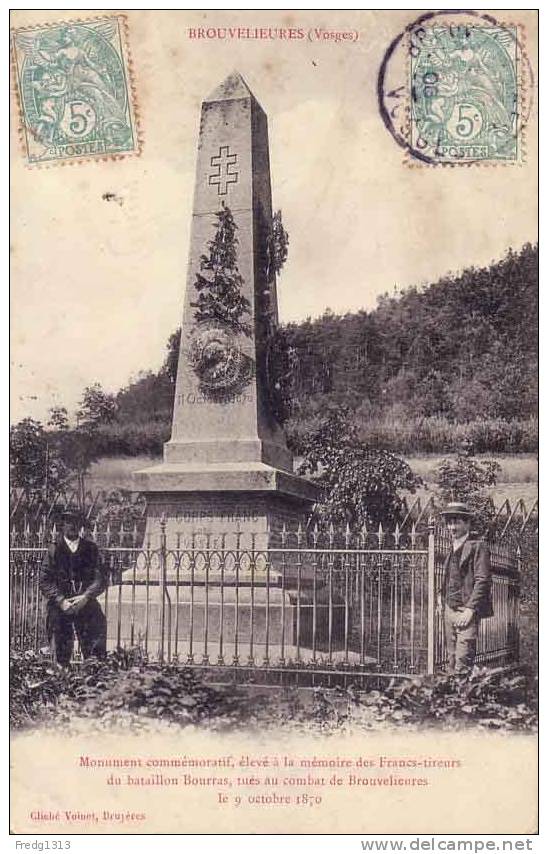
pixel 89 624
pixel 461 643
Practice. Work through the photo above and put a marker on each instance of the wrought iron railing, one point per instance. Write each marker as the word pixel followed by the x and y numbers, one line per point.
pixel 312 603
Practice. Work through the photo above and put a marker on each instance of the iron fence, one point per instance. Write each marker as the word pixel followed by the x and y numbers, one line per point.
pixel 310 608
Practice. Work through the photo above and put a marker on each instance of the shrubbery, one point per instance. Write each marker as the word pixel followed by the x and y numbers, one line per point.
pixel 126 691
pixel 132 440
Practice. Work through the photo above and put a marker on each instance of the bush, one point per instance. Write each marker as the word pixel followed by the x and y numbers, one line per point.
pixel 465 479
pixel 132 440
pixel 361 484
pixel 126 691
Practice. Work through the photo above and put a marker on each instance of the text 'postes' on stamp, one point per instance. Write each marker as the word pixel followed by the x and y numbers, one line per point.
pixel 75 92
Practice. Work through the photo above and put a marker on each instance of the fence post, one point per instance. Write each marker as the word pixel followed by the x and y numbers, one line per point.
pixel 163 560
pixel 431 584
pixel 515 602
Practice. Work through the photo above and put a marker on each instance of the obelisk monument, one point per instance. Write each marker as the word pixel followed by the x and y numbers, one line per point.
pixel 227 467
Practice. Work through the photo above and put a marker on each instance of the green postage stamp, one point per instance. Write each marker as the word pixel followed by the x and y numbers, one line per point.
pixel 74 88
pixel 465 93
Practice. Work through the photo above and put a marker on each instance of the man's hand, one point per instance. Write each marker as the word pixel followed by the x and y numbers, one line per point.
pixel 464 619
pixel 78 602
pixel 73 604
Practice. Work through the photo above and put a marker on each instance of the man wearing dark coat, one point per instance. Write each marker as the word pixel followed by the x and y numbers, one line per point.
pixel 71 579
pixel 466 588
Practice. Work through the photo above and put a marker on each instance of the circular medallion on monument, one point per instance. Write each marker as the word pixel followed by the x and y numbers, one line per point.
pixel 218 360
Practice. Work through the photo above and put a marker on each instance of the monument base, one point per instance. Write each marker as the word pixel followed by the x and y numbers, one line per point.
pixel 214 542
pixel 225 506
pixel 233 621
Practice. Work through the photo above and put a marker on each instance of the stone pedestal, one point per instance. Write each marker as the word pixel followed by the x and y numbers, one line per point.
pixel 249 619
pixel 230 506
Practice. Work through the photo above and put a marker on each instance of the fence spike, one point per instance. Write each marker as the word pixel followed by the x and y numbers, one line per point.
pixel 380 534
pixel 283 535
pixel 315 534
pixel 347 535
pixel 397 535
pixel 299 534
pixel 413 535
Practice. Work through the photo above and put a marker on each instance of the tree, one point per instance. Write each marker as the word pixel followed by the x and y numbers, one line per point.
pixel 361 483
pixel 58 418
pixel 96 406
pixel 465 479
pixel 36 461
pixel 77 449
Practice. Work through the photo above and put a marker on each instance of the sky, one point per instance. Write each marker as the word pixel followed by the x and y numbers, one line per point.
pixel 97 286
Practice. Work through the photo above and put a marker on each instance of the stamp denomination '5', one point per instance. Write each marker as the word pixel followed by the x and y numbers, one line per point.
pixel 74 90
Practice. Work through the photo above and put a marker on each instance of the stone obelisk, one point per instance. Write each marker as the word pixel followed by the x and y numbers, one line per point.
pixel 227 467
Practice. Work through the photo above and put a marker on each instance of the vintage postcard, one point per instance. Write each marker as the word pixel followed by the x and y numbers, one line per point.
pixel 274 424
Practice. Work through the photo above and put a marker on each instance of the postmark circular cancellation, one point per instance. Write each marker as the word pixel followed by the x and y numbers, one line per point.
pixel 75 90
pixel 455 88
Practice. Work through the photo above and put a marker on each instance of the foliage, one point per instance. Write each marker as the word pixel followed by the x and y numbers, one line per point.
pixel 148 398
pixel 281 365
pixel 464 348
pixel 127 691
pixel 132 439
pixel 361 483
pixel 464 479
pixel 278 243
pixel 436 434
pixel 36 461
pixel 58 418
pixel 43 461
pixel 106 691
pixel 491 698
pixel 120 508
pixel 220 289
pixel 96 407
pixel 172 357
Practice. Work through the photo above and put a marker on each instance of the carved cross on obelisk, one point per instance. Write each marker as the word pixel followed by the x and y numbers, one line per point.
pixel 223 161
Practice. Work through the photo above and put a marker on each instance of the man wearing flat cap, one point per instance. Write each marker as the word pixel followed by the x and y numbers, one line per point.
pixel 71 579
pixel 466 588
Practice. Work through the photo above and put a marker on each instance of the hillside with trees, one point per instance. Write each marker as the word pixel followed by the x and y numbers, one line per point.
pixel 430 369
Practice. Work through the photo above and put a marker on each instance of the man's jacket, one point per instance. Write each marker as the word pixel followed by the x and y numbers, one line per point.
pixel 64 573
pixel 475 568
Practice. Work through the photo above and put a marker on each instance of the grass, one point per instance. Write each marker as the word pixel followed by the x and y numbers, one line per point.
pixel 515 468
pixel 116 472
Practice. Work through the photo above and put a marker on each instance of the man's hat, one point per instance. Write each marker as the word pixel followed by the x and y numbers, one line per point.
pixel 456 508
pixel 70 516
